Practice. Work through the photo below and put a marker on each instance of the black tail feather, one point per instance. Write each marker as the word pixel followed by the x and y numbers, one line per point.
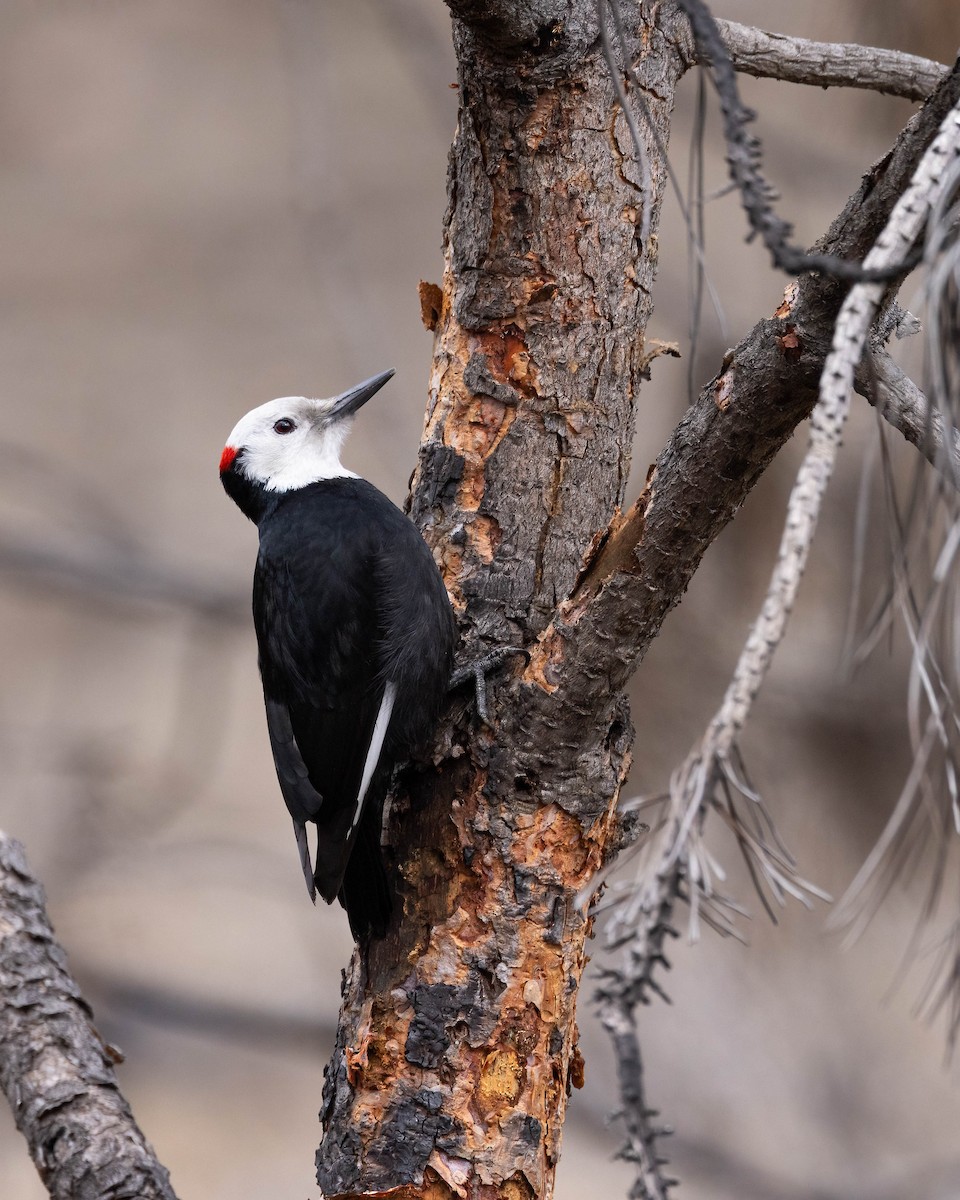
pixel 365 890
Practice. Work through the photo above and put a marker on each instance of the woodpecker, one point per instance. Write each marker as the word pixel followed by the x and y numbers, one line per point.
pixel 355 632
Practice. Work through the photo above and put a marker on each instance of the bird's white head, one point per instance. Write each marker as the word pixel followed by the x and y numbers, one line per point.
pixel 289 443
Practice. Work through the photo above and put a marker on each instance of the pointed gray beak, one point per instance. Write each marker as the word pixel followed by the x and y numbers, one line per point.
pixel 347 404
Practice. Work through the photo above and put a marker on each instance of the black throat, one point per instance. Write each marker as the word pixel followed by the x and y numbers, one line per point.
pixel 251 497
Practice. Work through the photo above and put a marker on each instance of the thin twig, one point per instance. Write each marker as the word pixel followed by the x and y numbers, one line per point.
pixel 641 1149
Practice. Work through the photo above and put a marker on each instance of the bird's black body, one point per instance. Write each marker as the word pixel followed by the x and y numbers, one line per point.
pixel 350 613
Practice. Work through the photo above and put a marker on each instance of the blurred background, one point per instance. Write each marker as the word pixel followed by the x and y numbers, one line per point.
pixel 208 203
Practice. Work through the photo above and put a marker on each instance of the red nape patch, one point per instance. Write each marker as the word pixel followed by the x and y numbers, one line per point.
pixel 226 458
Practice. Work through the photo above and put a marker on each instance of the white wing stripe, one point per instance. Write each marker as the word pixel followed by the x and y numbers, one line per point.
pixel 376 745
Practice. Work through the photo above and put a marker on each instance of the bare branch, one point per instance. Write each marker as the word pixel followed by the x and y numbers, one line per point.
pixel 675 862
pixel 829 64
pixel 55 1069
pixel 903 405
pixel 642 1134
pixel 744 158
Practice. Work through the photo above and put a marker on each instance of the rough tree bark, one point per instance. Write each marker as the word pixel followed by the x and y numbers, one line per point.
pixel 458 1036
pixel 55 1069
pixel 457 1044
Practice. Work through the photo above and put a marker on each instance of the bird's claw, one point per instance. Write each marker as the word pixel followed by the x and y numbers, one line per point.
pixel 478 671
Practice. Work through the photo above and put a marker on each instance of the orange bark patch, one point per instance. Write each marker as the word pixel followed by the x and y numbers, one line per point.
pixel 501 1080
pixel 474 425
pixel 517 1187
pixel 484 534
pixel 790 345
pixel 543 669
pixel 453 1171
pixel 557 840
pixel 477 427
pixel 723 392
pixel 357 1059
pixel 432 1188
pixel 785 307
pixel 519 366
pixel 450 561
pixel 507 356
pixel 431 304
pixel 617 552
pixel 357 1055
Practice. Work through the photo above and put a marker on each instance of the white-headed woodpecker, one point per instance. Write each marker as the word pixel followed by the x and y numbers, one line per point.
pixel 355 632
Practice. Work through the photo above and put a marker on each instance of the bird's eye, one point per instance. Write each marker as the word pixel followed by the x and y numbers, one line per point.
pixel 284 425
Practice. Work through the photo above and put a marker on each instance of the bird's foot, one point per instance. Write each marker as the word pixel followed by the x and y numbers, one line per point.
pixel 478 671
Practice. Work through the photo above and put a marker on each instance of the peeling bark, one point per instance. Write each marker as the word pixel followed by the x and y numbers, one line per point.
pixel 458 1040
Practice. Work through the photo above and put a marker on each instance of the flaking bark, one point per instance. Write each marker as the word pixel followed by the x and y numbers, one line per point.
pixel 458 1041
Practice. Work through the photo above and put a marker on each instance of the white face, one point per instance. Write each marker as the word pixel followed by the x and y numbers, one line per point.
pixel 289 443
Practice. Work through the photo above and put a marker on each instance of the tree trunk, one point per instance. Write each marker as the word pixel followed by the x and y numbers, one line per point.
pixel 458 1039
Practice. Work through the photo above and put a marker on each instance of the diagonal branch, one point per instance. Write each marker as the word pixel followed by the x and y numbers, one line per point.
pixel 677 862
pixel 829 64
pixel 55 1069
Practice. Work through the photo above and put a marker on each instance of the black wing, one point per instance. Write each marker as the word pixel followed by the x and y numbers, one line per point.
pixel 315 614
pixel 356 642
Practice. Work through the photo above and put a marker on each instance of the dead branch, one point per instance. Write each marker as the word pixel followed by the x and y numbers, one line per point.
pixel 744 158
pixel 643 1134
pixel 55 1069
pixel 677 862
pixel 708 778
pixel 829 64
